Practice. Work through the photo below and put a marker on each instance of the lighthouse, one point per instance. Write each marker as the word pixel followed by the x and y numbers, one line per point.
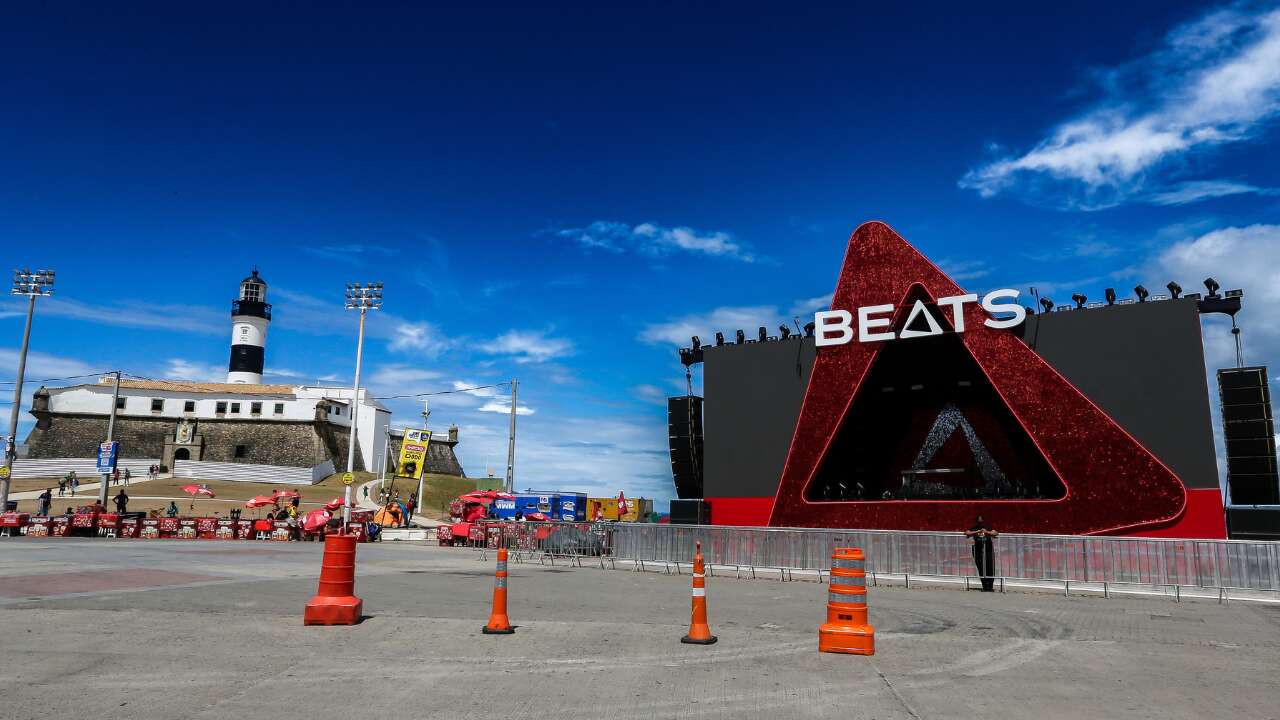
pixel 250 316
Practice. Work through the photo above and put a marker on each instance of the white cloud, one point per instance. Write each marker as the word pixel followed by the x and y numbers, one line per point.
pixel 503 406
pixel 350 253
pixel 398 378
pixel 527 346
pixel 961 270
pixel 182 369
pixel 724 319
pixel 40 366
pixel 808 306
pixel 127 313
pixel 656 240
pixel 421 337
pixel 1197 190
pixel 1215 81
pixel 649 393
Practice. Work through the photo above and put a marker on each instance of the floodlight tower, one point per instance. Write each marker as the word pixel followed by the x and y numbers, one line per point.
pixel 32 285
pixel 363 298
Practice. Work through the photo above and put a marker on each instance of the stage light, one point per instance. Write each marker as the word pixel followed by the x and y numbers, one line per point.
pixel 808 328
pixel 697 343
pixel 1233 293
pixel 1212 286
pixel 719 339
pixel 762 334
pixel 1046 303
pixel 1110 294
pixel 784 331
pixel 1079 300
pixel 741 337
pixel 1141 292
pixel 1175 290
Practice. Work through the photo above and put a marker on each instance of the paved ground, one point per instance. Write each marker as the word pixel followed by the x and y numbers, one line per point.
pixel 172 629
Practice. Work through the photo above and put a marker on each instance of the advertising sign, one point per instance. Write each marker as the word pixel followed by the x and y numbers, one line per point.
pixel 413 453
pixel 107 454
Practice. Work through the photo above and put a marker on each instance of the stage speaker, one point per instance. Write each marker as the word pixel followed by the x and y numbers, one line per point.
pixel 684 431
pixel 690 512
pixel 1248 429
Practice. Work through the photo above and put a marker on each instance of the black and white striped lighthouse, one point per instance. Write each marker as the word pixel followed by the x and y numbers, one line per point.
pixel 250 316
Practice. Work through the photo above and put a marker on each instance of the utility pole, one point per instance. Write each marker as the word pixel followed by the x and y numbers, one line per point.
pixel 511 441
pixel 363 298
pixel 111 429
pixel 33 285
pixel 426 414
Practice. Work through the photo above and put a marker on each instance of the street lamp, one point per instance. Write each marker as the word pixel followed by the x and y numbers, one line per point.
pixel 363 298
pixel 33 285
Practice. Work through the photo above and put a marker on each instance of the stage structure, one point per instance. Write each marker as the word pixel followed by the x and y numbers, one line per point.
pixel 914 405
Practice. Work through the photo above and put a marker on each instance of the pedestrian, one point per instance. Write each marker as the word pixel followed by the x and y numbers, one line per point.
pixel 122 502
pixel 46 498
pixel 115 476
pixel 984 553
pixel 293 522
pixel 366 492
pixel 62 485
pixel 172 510
pixel 74 482
pixel 127 475
pixel 409 507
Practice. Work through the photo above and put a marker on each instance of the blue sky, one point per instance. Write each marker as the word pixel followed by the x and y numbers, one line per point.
pixel 564 194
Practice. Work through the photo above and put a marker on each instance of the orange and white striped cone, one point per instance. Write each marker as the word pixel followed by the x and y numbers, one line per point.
pixel 498 623
pixel 699 631
pixel 846 629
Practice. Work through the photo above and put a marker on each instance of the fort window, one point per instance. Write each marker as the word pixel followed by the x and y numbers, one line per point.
pixel 120 403
pixel 279 408
pixel 255 408
pixel 235 407
pixel 157 405
pixel 220 408
pixel 189 406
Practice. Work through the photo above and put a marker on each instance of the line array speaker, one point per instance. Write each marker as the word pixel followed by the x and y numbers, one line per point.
pixel 1248 428
pixel 684 431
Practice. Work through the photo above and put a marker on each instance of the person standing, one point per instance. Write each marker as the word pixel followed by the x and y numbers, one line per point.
pixel 127 475
pixel 409 507
pixel 46 499
pixel 984 553
pixel 75 482
pixel 122 502
pixel 62 485
pixel 172 510
pixel 115 476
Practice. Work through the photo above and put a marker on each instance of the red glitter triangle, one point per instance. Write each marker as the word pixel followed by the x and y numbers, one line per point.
pixel 1113 484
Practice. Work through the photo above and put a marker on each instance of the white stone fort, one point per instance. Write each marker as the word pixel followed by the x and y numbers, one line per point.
pixel 286 433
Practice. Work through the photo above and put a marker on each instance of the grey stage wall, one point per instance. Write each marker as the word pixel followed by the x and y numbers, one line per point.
pixel 1143 364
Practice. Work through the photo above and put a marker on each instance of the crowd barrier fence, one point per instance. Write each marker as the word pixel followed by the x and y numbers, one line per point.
pixel 1065 559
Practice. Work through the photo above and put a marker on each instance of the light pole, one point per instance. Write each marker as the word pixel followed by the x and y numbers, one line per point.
pixel 111 428
pixel 363 298
pixel 33 285
pixel 511 442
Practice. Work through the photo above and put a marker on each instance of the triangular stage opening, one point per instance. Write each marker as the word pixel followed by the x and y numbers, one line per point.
pixel 926 424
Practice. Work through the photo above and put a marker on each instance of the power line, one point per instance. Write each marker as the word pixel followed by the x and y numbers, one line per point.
pixel 444 392
pixel 59 379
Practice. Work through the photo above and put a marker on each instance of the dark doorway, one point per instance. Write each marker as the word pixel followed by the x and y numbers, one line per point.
pixel 181 454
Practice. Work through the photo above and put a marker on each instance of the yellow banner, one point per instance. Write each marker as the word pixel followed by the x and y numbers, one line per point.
pixel 413 453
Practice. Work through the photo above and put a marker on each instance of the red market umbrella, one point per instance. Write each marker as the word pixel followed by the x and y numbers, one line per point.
pixel 536 516
pixel 260 501
pixel 195 490
pixel 315 520
pixel 334 504
pixel 285 493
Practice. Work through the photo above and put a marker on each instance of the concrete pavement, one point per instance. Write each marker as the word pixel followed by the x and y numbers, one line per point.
pixel 173 629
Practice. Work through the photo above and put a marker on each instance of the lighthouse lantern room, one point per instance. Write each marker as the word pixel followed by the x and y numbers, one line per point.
pixel 250 316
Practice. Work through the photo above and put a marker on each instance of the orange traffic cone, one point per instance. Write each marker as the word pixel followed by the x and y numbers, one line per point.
pixel 498 623
pixel 335 602
pixel 699 631
pixel 846 629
